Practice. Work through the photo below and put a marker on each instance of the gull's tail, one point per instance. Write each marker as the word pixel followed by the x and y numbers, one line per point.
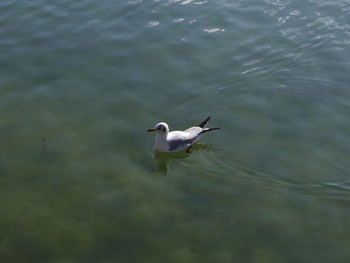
pixel 208 129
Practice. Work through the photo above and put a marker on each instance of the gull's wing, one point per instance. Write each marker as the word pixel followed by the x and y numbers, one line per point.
pixel 179 140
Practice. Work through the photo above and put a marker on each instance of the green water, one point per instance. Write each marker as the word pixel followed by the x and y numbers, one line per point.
pixel 82 81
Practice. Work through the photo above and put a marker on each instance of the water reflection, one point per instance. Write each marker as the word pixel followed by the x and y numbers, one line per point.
pixel 165 159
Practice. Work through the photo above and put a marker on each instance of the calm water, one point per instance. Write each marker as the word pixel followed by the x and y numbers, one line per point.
pixel 81 81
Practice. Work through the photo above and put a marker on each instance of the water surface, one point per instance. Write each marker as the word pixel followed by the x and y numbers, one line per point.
pixel 81 81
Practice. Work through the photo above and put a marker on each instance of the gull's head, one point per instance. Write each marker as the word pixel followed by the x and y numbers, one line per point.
pixel 161 128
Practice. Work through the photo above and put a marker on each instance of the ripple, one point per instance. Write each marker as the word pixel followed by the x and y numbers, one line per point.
pixel 153 23
pixel 274 138
pixel 271 12
pixel 295 12
pixel 146 145
pixel 213 30
pixel 324 23
pixel 280 3
pixel 177 20
pixel 186 2
pixel 282 106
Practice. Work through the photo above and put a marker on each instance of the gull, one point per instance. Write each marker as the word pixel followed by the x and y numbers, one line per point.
pixel 175 141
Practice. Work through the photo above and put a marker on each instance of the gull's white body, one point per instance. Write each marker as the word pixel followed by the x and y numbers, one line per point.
pixel 175 141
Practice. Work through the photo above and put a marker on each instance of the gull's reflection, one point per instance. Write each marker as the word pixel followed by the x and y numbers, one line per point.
pixel 164 159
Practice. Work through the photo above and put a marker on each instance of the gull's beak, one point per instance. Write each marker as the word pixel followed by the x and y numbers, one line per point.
pixel 152 129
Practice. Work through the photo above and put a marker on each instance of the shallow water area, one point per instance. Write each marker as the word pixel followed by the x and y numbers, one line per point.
pixel 82 81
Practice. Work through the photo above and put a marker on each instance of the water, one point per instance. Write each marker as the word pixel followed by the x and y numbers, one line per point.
pixel 80 83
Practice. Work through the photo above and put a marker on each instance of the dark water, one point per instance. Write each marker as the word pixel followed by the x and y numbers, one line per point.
pixel 81 81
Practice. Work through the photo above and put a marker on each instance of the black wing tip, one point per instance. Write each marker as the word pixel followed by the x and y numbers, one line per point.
pixel 203 123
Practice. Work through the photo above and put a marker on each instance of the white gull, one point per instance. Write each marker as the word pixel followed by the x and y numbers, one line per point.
pixel 175 141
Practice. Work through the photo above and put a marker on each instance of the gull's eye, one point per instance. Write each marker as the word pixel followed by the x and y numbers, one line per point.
pixel 161 128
